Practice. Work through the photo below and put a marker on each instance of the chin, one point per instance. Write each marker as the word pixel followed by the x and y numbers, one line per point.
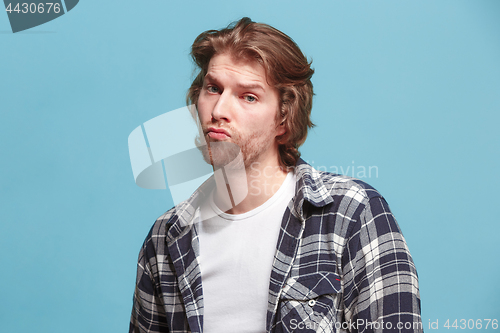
pixel 220 153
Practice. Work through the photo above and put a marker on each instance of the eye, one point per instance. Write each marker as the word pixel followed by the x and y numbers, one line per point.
pixel 213 89
pixel 250 98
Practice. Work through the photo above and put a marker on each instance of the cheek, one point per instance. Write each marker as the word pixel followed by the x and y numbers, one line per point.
pixel 262 131
pixel 203 107
pixel 261 120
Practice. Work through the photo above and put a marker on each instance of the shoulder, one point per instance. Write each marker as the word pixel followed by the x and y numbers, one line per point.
pixel 155 244
pixel 173 222
pixel 158 232
pixel 162 223
pixel 321 187
pixel 340 185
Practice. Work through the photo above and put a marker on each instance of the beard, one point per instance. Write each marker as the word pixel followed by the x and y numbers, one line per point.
pixel 222 154
pixel 238 152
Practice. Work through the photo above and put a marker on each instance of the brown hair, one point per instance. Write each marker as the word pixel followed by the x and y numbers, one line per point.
pixel 286 67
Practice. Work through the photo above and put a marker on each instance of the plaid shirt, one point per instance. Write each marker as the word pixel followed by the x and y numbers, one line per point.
pixel 341 265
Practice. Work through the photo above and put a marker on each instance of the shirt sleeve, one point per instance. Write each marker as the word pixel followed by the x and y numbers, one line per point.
pixel 148 313
pixel 380 280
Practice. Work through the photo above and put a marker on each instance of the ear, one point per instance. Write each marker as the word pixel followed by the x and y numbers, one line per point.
pixel 281 129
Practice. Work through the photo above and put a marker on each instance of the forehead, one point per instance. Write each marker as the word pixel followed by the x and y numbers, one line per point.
pixel 224 66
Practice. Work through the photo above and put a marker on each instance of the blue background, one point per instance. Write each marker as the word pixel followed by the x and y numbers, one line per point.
pixel 411 87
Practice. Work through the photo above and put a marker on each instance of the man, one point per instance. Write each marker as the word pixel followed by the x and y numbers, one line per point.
pixel 300 250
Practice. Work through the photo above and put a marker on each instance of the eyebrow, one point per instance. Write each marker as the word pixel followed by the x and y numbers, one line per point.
pixel 250 86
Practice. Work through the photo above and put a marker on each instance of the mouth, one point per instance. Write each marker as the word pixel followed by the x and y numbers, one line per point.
pixel 218 133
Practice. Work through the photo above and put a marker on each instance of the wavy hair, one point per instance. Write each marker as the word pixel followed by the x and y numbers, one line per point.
pixel 286 68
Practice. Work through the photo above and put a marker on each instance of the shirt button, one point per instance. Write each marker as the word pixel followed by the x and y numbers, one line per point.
pixel 312 303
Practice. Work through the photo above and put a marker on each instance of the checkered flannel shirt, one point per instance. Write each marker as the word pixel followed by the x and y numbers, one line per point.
pixel 341 265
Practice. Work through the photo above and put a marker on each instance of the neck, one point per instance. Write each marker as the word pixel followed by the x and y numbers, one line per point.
pixel 248 187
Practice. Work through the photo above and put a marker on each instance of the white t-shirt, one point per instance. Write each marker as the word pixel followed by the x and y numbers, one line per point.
pixel 236 258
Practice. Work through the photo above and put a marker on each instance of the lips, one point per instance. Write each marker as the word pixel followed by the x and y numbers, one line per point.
pixel 218 133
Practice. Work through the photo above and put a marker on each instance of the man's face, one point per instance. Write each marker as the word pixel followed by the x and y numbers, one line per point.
pixel 236 105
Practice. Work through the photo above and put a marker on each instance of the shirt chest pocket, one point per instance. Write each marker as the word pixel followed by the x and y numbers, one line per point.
pixel 309 303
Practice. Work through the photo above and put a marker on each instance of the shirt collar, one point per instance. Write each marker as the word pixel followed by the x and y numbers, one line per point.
pixel 310 186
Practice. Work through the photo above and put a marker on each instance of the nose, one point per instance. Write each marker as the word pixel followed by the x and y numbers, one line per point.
pixel 222 109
